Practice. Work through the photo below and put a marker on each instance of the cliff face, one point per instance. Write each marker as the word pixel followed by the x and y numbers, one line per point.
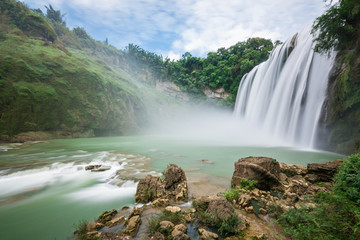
pixel 342 109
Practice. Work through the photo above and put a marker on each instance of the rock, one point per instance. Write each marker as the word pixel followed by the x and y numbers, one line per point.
pixel 173 209
pixel 207 235
pixel 160 202
pixel 135 212
pixel 173 187
pixel 206 161
pixel 245 200
pixel 312 178
pixel 201 204
pixel 262 211
pixel 133 226
pixel 266 171
pixel 156 236
pixel 166 226
pixel 175 183
pixel 92 235
pixel 292 170
pixel 101 169
pixel 149 189
pixel 182 236
pixel 94 226
pixel 249 209
pixel 220 209
pixel 114 236
pixel 179 229
pixel 106 216
pixel 115 221
pixel 298 186
pixel 325 171
pixel 91 167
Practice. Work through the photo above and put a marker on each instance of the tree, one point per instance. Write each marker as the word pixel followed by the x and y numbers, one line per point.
pixel 338 27
pixel 54 15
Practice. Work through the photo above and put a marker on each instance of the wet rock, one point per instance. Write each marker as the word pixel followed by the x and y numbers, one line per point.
pixel 249 209
pixel 91 167
pixel 262 211
pixel 101 169
pixel 133 226
pixel 135 212
pixel 156 236
pixel 161 202
pixel 175 183
pixel 106 216
pixel 266 171
pixel 206 161
pixel 179 229
pixel 149 189
pixel 325 171
pixel 206 235
pixel 166 226
pixel 245 200
pixel 173 209
pixel 182 236
pixel 114 236
pixel 94 226
pixel 115 221
pixel 92 235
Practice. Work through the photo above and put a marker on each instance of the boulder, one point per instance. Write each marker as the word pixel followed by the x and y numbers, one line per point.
pixel 220 209
pixel 173 209
pixel 149 189
pixel 206 235
pixel 114 236
pixel 175 183
pixel 173 187
pixel 166 226
pixel 201 204
pixel 92 235
pixel 325 171
pixel 266 171
pixel 179 229
pixel 91 167
pixel 182 236
pixel 133 226
pixel 94 226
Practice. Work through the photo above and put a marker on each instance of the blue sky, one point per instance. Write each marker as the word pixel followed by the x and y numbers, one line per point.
pixel 173 27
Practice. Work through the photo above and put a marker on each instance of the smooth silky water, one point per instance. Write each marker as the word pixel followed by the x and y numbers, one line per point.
pixel 45 189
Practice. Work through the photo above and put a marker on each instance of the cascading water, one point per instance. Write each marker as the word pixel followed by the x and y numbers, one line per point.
pixel 284 95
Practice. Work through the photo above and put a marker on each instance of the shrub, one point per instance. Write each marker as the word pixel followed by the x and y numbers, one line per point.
pixel 347 180
pixel 248 184
pixel 80 229
pixel 333 218
pixel 233 194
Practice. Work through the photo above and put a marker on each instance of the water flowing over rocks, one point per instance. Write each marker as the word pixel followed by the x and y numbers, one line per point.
pixel 248 213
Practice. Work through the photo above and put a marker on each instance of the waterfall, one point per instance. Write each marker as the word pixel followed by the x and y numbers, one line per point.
pixel 284 95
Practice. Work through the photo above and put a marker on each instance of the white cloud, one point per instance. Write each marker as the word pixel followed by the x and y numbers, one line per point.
pixel 197 26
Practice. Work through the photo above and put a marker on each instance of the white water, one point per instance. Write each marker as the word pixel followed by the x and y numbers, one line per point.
pixel 284 95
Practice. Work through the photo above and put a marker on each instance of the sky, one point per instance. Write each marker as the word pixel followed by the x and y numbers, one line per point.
pixel 173 27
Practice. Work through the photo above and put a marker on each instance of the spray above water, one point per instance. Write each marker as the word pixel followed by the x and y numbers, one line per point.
pixel 284 95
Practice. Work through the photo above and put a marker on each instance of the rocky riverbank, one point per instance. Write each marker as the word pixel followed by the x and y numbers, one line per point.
pixel 261 188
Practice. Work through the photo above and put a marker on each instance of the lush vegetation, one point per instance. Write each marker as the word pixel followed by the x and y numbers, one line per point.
pixel 47 87
pixel 175 218
pixel 339 29
pixel 336 215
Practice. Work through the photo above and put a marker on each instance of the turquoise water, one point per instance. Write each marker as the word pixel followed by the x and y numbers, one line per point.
pixel 44 188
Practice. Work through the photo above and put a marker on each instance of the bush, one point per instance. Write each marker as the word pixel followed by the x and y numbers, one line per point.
pixel 347 180
pixel 233 194
pixel 225 227
pixel 248 184
pixel 333 218
pixel 80 230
